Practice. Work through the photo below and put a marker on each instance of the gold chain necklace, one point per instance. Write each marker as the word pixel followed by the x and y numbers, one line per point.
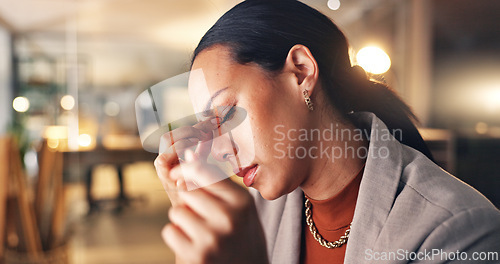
pixel 317 236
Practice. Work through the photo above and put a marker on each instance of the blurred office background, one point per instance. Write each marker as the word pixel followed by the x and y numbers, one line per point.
pixel 70 71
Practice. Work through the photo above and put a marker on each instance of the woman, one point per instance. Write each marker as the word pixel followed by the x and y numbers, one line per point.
pixel 340 173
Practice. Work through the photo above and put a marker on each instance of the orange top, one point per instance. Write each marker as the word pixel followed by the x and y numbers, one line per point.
pixel 332 218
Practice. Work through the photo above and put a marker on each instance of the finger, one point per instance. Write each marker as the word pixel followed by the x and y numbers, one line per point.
pixel 164 163
pixel 210 208
pixel 185 132
pixel 177 174
pixel 176 240
pixel 183 183
pixel 191 224
pixel 180 146
pixel 178 149
pixel 203 149
pixel 167 160
pixel 195 165
pixel 209 125
pixel 211 179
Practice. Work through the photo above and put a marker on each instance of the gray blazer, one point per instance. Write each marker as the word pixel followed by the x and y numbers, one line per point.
pixel 408 208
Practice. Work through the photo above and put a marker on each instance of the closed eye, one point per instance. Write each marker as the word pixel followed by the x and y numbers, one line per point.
pixel 229 114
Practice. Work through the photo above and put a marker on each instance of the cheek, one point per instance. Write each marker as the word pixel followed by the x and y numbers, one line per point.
pixel 272 122
pixel 244 138
pixel 272 113
pixel 285 168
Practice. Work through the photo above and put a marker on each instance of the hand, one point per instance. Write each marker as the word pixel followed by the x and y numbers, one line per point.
pixel 176 142
pixel 214 224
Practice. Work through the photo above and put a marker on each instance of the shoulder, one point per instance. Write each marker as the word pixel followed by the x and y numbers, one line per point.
pixel 425 210
pixel 447 213
pixel 430 184
pixel 408 203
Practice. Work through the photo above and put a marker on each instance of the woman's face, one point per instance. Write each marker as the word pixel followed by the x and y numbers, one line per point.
pixel 274 104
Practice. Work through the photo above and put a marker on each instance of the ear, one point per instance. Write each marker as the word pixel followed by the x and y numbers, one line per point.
pixel 302 64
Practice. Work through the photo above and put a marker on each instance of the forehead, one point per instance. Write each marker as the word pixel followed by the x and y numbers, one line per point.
pixel 219 66
pixel 212 70
pixel 215 61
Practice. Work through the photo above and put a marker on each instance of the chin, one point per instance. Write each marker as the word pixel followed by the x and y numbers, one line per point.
pixel 272 185
pixel 270 193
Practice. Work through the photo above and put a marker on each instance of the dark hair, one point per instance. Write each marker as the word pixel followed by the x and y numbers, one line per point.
pixel 263 32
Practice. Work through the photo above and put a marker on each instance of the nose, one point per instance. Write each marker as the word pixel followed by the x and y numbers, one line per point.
pixel 224 147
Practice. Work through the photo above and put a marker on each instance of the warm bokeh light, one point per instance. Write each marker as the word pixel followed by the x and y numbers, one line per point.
pixel 56 132
pixel 67 102
pixel 481 128
pixel 467 92
pixel 84 140
pixel 53 143
pixel 21 104
pixel 373 60
pixel 333 4
pixel 111 108
pixel 56 136
pixel 492 99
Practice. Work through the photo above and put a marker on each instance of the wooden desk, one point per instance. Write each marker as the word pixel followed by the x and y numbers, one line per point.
pixel 115 154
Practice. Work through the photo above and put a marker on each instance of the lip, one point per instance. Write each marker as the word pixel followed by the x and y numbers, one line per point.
pixel 248 174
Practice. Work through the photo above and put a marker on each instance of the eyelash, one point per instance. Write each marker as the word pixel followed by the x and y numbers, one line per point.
pixel 227 116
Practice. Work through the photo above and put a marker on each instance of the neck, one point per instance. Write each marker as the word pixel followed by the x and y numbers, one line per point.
pixel 330 173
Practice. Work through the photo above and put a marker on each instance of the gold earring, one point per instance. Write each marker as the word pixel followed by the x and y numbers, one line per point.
pixel 307 99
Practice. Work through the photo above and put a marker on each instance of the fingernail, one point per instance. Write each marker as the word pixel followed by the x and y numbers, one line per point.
pixel 179 184
pixel 159 161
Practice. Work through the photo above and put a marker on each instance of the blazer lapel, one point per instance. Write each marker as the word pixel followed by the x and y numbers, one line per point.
pixel 282 223
pixel 377 191
pixel 287 246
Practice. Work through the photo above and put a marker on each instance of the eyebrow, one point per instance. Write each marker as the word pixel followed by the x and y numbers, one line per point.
pixel 210 101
